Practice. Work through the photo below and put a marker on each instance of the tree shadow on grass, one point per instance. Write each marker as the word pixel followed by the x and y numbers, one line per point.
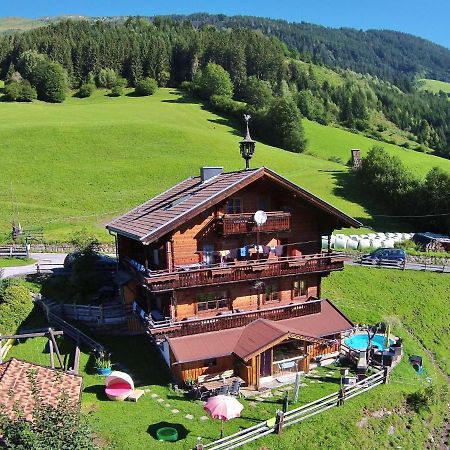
pixel 348 187
pixel 184 97
pixel 98 390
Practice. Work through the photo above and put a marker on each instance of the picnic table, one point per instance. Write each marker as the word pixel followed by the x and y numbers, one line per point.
pixel 217 384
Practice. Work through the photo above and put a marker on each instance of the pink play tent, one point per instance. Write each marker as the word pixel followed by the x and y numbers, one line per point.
pixel 119 386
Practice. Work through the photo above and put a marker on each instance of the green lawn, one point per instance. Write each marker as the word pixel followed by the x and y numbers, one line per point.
pixel 433 85
pixel 14 262
pixel 415 303
pixel 85 161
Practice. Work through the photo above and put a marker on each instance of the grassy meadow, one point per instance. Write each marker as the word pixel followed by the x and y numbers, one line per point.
pixel 433 85
pixel 76 165
pixel 415 303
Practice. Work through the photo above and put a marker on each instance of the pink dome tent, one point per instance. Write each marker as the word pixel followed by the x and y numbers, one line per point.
pixel 119 386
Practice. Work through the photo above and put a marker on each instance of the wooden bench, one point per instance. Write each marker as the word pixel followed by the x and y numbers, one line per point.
pixel 215 376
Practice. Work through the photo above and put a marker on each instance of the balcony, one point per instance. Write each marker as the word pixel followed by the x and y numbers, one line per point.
pixel 197 275
pixel 231 320
pixel 245 223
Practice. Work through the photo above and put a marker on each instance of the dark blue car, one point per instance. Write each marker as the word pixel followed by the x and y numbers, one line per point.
pixel 388 255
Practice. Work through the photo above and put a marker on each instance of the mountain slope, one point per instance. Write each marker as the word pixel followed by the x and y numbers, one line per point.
pixel 87 160
pixel 390 55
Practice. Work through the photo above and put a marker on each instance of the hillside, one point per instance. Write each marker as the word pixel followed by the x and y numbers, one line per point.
pixel 10 25
pixel 390 55
pixel 177 52
pixel 84 161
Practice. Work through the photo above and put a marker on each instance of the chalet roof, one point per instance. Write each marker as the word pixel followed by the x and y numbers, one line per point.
pixel 259 335
pixel 15 386
pixel 165 212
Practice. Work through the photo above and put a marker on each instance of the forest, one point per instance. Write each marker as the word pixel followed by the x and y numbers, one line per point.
pixel 265 77
pixel 389 55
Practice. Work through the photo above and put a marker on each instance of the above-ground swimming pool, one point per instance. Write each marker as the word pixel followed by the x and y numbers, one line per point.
pixel 360 341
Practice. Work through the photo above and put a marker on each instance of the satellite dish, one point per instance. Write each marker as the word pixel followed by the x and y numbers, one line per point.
pixel 260 217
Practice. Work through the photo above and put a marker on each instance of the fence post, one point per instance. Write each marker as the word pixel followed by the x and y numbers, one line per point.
pixel 386 373
pixel 279 421
pixel 341 396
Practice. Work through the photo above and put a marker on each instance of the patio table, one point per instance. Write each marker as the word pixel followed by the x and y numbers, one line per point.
pixel 217 384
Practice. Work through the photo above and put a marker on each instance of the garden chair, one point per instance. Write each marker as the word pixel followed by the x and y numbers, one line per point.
pixel 223 390
pixel 201 393
pixel 235 388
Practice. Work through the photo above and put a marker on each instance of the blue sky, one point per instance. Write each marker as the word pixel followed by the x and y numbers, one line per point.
pixel 428 19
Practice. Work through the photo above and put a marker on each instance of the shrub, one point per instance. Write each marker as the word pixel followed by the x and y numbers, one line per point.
pixel 256 92
pixel 147 86
pixel 226 104
pixel 86 90
pixel 116 91
pixel 186 86
pixel 284 127
pixel 20 91
pixel 51 82
pixel 12 91
pixel 107 78
pixel 213 80
pixel 15 306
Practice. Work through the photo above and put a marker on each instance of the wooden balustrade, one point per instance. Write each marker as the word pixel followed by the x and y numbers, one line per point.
pixel 243 271
pixel 245 223
pixel 234 320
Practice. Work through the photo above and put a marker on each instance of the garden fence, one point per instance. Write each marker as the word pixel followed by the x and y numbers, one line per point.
pixel 282 420
pixel 68 329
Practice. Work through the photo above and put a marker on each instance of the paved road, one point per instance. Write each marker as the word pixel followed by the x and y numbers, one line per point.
pixel 408 266
pixel 46 261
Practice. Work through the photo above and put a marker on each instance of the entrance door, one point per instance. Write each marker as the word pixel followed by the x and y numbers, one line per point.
pixel 266 363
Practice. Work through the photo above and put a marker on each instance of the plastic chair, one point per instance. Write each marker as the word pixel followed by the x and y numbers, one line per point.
pixel 235 388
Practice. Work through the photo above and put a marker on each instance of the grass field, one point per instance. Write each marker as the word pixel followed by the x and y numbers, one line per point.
pixel 433 85
pixel 76 165
pixel 15 262
pixel 12 24
pixel 418 315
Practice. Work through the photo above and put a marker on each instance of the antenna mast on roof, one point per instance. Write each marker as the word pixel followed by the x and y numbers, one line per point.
pixel 247 145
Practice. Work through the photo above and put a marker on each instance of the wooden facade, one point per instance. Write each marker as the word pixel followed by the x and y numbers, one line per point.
pixel 218 269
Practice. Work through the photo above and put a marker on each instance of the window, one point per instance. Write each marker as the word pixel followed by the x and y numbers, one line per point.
pixel 271 293
pixel 212 301
pixel 234 206
pixel 300 288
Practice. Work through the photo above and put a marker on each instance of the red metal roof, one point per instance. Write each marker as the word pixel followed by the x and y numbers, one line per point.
pixel 248 341
pixel 15 386
pixel 163 213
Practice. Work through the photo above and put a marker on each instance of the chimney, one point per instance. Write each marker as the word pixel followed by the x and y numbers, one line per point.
pixel 208 172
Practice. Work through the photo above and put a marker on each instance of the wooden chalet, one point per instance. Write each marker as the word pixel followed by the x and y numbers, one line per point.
pixel 219 291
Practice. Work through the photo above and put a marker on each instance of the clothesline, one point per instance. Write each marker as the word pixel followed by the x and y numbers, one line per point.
pixel 248 246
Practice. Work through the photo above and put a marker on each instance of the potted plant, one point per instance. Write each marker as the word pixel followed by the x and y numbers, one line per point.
pixel 103 363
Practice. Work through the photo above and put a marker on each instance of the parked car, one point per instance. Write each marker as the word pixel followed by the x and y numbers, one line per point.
pixel 387 255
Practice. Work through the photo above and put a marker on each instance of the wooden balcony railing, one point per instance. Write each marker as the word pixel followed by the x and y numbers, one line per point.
pixel 158 281
pixel 232 320
pixel 245 223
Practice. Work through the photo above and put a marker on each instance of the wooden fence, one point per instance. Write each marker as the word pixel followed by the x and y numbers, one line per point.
pixel 92 315
pixel 68 329
pixel 275 425
pixel 14 251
